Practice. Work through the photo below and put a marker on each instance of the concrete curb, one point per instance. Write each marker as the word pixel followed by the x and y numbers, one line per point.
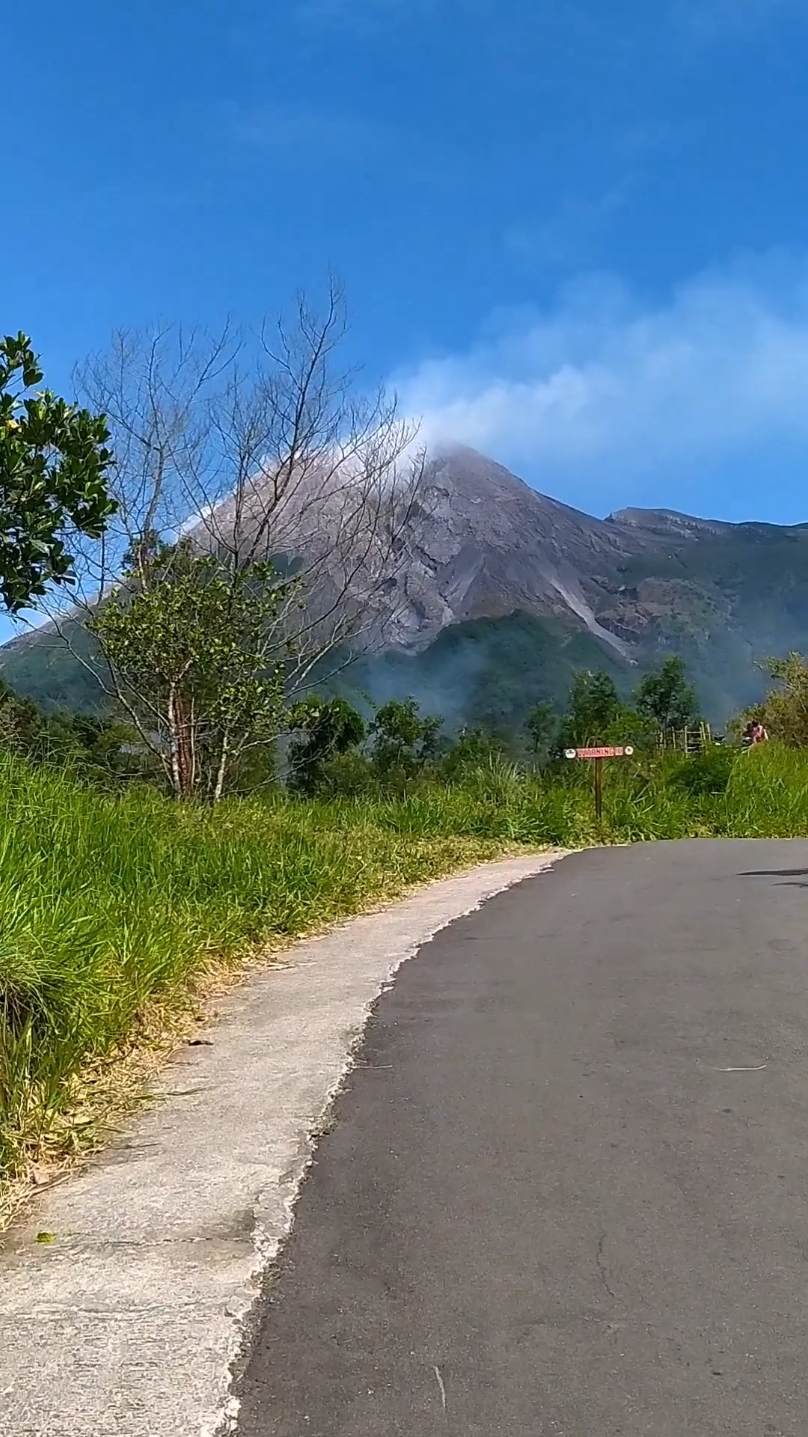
pixel 128 1324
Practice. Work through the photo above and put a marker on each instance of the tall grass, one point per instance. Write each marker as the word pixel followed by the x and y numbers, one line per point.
pixel 108 903
pixel 767 795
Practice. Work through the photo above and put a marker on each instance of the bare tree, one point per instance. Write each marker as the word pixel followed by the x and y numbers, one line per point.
pixel 263 453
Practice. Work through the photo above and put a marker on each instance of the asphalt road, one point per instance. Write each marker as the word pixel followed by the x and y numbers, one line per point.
pixel 566 1190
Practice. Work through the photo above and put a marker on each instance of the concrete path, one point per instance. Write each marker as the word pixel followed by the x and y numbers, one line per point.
pixel 566 1194
pixel 126 1324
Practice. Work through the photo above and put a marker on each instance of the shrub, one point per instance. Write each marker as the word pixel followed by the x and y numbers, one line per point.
pixel 707 772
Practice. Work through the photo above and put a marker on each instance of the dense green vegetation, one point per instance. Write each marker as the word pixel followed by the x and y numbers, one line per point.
pixel 722 600
pixel 347 745
pixel 487 673
pixel 56 670
pixel 484 673
pixel 490 673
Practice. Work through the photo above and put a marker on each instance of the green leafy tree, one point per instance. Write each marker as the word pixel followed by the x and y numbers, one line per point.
pixel 665 697
pixel 403 739
pixel 593 706
pixel 472 749
pixel 186 645
pixel 542 729
pixel 596 714
pixel 323 728
pixel 784 711
pixel 54 460
pixel 629 726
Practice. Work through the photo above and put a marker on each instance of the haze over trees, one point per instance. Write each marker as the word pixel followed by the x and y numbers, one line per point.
pixel 665 697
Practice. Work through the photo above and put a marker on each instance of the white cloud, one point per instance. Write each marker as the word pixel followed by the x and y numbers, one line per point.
pixel 602 387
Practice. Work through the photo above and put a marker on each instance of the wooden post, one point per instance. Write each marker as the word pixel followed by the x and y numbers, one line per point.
pixel 598 777
pixel 596 756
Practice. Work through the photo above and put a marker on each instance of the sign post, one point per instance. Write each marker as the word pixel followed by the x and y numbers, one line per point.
pixel 598 778
pixel 596 757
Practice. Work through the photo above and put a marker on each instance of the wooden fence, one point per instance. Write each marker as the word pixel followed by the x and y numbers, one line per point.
pixel 685 740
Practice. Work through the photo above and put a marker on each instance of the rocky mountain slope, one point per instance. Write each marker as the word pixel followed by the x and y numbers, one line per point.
pixel 487 545
pixel 619 592
pixel 642 583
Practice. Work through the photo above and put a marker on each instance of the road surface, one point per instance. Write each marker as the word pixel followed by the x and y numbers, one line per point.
pixel 566 1189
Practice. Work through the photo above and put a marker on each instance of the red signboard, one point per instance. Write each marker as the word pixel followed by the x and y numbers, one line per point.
pixel 599 752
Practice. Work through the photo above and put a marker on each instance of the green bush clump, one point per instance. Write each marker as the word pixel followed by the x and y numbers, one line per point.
pixel 707 772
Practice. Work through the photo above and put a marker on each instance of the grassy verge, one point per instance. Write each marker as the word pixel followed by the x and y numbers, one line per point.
pixel 111 906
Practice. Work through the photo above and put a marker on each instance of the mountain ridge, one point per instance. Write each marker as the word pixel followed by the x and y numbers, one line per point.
pixel 640 584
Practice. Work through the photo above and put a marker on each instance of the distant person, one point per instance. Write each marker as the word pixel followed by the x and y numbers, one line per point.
pixel 754 733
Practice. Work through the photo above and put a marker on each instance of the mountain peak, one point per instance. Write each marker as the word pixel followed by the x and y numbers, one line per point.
pixel 643 583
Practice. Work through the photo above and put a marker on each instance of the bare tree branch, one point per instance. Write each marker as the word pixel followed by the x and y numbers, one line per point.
pixel 256 449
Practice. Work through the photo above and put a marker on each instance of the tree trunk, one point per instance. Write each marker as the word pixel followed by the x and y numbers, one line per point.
pixel 173 740
pixel 220 776
pixel 183 767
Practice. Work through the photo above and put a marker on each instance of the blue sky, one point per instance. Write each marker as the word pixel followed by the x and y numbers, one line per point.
pixel 573 234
